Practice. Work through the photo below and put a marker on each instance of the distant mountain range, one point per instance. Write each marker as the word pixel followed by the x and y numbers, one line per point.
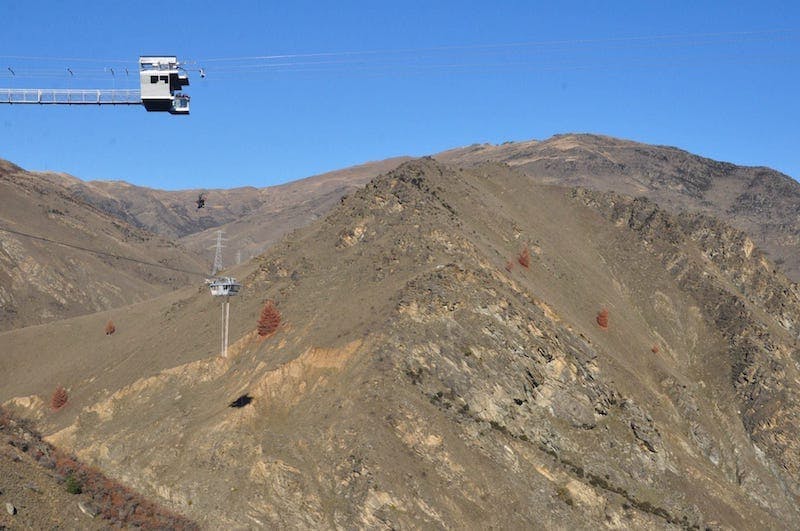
pixel 759 201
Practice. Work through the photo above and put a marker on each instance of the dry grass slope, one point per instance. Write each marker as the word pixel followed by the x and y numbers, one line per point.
pixel 416 382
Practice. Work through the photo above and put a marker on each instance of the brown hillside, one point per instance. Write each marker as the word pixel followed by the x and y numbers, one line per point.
pixel 289 206
pixel 416 381
pixel 253 218
pixel 759 201
pixel 42 281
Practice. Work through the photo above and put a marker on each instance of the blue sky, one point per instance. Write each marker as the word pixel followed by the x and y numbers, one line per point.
pixel 363 81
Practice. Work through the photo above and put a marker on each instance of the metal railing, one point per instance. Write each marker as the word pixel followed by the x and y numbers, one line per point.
pixel 71 96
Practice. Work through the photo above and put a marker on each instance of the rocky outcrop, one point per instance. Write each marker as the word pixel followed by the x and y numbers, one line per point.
pixel 740 284
pixel 759 201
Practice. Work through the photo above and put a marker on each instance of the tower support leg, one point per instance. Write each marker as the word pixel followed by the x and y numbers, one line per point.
pixel 227 319
pixel 222 331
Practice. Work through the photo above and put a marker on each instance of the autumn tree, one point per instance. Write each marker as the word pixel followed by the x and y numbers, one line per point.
pixel 59 398
pixel 270 319
pixel 524 258
pixel 602 319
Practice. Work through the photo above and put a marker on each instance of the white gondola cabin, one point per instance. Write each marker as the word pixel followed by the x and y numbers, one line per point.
pixel 224 286
pixel 161 79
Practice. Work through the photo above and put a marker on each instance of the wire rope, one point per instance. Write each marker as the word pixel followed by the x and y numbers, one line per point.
pixel 707 38
pixel 446 58
pixel 101 253
pixel 568 42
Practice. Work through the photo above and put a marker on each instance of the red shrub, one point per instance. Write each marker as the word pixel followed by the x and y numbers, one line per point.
pixel 655 349
pixel 524 258
pixel 59 398
pixel 110 328
pixel 270 320
pixel 120 506
pixel 602 318
pixel 65 465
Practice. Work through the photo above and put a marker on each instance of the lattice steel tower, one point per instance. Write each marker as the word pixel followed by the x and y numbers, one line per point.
pixel 218 255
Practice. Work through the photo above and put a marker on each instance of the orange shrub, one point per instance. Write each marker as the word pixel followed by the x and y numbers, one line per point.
pixel 524 258
pixel 59 398
pixel 602 319
pixel 270 319
pixel 110 328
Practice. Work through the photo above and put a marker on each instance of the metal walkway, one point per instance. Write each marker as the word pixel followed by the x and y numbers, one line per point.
pixel 71 96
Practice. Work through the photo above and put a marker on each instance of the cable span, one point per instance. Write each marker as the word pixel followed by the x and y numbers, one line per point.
pixel 630 63
pixel 102 253
pixel 461 57
pixel 566 42
pixel 740 35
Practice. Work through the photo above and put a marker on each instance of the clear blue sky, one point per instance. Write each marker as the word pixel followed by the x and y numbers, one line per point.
pixel 720 79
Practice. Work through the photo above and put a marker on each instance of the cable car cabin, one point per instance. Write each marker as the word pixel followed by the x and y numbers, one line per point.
pixel 161 78
pixel 224 287
pixel 180 104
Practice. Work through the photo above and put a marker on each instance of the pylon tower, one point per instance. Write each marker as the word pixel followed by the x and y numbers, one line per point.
pixel 218 254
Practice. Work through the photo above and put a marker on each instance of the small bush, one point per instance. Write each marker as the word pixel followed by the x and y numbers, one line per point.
pixel 270 320
pixel 524 258
pixel 602 319
pixel 110 328
pixel 655 349
pixel 59 398
pixel 73 485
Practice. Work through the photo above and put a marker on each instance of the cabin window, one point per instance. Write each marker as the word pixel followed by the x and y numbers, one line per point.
pixel 153 79
pixel 165 79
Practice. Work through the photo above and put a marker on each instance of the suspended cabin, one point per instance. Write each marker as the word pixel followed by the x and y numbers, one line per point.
pixel 224 286
pixel 161 79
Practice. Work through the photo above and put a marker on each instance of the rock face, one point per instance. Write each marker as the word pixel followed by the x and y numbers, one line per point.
pixel 423 377
pixel 759 201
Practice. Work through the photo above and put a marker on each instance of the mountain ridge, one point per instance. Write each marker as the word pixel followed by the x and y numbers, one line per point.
pixel 440 363
pixel 760 201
